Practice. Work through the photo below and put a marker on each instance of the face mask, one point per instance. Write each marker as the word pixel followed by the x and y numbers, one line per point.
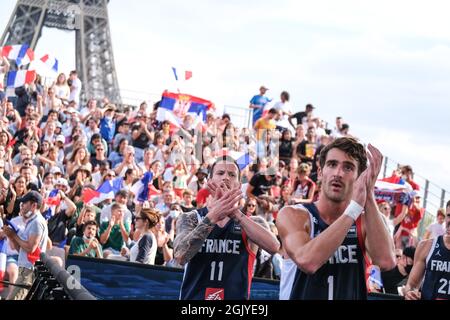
pixel 86 238
pixel 408 268
pixel 174 214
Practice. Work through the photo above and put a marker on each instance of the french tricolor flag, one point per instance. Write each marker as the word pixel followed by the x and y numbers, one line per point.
pixel 105 191
pixel 21 54
pixel 144 189
pixel 175 106
pixel 187 74
pixel 51 62
pixel 20 78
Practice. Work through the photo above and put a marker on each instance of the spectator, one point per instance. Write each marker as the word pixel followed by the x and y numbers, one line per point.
pixel 407 175
pixel 62 89
pixel 186 204
pixel 250 207
pixel 30 243
pixel 300 116
pixel 436 229
pixel 114 234
pixel 407 233
pixel 17 190
pixel 307 148
pixel 286 144
pixel 121 199
pixel 258 102
pixel 200 181
pixel 75 87
pixel 397 277
pixel 261 183
pixel 87 245
pixel 284 110
pixel 144 250
pixel 265 123
pixel 304 187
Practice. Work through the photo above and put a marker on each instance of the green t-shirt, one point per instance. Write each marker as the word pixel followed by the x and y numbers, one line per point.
pixel 115 240
pixel 78 245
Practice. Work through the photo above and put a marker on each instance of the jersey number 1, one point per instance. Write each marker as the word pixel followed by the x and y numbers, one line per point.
pixel 213 270
pixel 330 287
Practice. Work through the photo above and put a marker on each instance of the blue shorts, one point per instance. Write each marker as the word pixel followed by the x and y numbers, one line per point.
pixel 12 259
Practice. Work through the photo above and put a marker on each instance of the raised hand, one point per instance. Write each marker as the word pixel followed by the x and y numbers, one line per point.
pixel 359 194
pixel 222 206
pixel 375 162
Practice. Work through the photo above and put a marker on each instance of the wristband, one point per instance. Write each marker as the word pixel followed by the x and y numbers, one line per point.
pixel 353 210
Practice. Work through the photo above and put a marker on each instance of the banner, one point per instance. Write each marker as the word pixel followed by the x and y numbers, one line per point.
pixel 118 280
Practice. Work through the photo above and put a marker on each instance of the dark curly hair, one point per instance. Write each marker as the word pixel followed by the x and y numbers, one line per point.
pixel 350 146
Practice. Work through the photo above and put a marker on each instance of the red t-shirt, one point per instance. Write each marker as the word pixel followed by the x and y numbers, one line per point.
pixel 412 219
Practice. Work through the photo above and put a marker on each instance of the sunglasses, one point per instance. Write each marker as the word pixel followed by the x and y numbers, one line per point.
pixel 251 205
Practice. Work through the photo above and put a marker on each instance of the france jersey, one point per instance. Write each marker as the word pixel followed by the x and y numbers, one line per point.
pixel 342 277
pixel 222 269
pixel 436 283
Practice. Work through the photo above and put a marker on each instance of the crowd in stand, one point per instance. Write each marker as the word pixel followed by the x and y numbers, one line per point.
pixel 53 148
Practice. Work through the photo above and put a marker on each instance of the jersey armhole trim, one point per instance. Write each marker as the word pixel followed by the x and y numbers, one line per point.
pixel 430 253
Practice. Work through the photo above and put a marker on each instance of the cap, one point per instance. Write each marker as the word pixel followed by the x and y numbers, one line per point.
pixel 71 110
pixel 202 170
pixel 32 196
pixel 83 168
pixel 55 170
pixel 409 252
pixel 60 138
pixel 263 88
pixel 62 181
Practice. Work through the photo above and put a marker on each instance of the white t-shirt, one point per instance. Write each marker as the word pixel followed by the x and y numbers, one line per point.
pixel 150 259
pixel 105 214
pixel 436 230
pixel 283 107
pixel 75 91
pixel 288 270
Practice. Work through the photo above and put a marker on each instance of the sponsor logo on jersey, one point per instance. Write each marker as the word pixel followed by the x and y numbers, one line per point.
pixel 215 294
pixel 237 228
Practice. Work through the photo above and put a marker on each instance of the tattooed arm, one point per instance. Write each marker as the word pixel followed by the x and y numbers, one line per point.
pixel 190 236
pixel 191 233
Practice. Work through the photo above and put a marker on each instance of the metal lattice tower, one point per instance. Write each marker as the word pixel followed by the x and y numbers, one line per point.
pixel 89 19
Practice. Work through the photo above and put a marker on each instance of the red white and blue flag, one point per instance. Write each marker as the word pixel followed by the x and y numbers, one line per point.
pixel 105 191
pixel 175 106
pixel 20 78
pixel 144 188
pixel 53 200
pixel 50 62
pixel 21 54
pixel 186 74
pixel 242 159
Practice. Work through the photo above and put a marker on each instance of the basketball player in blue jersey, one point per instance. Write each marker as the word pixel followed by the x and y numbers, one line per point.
pixel 328 239
pixel 432 265
pixel 218 244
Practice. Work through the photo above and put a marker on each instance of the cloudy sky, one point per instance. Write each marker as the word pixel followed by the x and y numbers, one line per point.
pixel 384 66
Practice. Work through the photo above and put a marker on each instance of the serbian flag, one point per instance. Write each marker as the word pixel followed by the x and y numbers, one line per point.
pixel 175 106
pixel 20 78
pixel 187 74
pixel 50 62
pixel 104 192
pixel 21 54
pixel 144 188
pixel 242 159
pixel 3 247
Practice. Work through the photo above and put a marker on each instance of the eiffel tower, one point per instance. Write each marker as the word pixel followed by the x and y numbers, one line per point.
pixel 89 19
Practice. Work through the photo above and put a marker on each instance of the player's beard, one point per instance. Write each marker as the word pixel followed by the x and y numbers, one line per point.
pixel 334 193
